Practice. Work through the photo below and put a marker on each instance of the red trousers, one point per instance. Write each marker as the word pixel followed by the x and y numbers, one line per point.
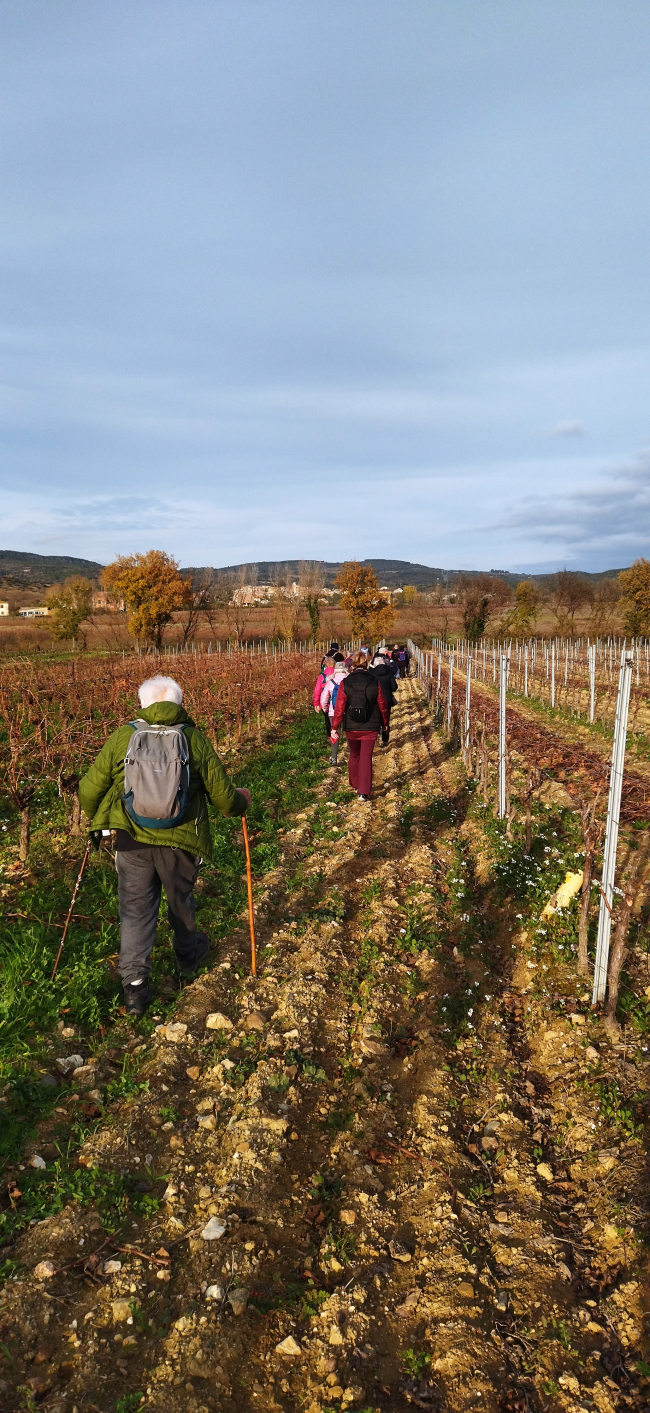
pixel 361 745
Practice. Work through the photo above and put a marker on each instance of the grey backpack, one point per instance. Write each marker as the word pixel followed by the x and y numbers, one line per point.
pixel 156 775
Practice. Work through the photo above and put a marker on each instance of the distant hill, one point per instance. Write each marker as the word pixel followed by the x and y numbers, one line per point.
pixel 43 569
pixel 392 573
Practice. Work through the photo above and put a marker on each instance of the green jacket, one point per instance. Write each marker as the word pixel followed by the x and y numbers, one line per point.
pixel 102 787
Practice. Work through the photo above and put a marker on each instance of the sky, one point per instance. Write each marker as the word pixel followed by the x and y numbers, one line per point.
pixel 295 279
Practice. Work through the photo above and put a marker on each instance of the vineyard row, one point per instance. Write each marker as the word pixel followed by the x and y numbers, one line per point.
pixel 575 675
pixel 55 717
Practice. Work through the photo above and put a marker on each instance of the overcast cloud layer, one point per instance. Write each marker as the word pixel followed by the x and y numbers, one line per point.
pixel 295 279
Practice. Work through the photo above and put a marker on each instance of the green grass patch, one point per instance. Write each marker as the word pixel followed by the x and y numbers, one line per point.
pixel 86 993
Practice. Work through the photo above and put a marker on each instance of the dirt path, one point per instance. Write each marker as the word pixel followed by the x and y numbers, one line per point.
pixel 411 1204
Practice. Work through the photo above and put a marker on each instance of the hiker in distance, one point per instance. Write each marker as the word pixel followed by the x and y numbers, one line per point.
pixel 383 668
pixel 149 784
pixel 362 710
pixel 328 704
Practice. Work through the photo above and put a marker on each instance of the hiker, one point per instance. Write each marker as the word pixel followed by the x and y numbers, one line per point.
pixel 149 784
pixel 361 709
pixel 386 657
pixel 332 651
pixel 401 657
pixel 329 695
pixel 383 669
pixel 323 677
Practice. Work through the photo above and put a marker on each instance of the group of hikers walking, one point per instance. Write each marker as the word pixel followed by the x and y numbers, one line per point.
pixel 150 785
pixel 357 693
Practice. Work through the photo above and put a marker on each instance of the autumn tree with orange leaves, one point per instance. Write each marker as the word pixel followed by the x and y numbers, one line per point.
pixel 369 611
pixel 152 588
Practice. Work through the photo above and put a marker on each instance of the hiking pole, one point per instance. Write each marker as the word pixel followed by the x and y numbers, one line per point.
pixel 249 885
pixel 90 845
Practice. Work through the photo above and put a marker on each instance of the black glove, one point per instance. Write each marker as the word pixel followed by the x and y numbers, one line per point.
pixel 385 736
pixel 100 839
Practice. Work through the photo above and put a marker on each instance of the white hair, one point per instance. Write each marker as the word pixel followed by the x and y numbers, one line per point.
pixel 159 689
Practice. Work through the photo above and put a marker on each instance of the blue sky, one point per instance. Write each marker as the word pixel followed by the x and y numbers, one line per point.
pixel 326 279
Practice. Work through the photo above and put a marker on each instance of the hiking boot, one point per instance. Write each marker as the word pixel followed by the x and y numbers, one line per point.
pixel 188 968
pixel 137 997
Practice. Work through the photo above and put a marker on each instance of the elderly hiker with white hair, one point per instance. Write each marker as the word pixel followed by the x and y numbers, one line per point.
pixel 149 784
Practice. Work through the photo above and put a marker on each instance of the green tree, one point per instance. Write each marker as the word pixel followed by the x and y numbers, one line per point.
pixel 480 595
pixel 70 607
pixel 635 588
pixel 476 612
pixel 526 610
pixel 311 582
pixel 153 590
pixel 370 612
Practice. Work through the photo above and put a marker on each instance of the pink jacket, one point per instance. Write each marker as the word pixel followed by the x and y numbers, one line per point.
pixel 320 683
pixel 328 690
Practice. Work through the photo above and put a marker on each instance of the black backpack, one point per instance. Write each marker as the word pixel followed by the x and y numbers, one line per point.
pixel 361 690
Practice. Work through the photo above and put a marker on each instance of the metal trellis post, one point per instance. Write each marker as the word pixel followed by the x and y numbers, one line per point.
pixel 503 679
pixel 451 680
pixel 468 693
pixel 611 829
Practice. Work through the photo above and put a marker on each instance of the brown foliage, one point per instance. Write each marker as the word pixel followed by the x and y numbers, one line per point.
pixel 152 588
pixel 370 612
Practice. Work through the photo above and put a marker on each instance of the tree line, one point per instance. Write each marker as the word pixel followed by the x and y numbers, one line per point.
pixel 154 594
pixel 487 602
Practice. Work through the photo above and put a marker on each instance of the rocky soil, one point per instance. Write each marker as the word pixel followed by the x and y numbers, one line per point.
pixel 388 1176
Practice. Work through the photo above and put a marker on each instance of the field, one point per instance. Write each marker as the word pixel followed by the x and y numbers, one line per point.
pixel 428 616
pixel 405 1166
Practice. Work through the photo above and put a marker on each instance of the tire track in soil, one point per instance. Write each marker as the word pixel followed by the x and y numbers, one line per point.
pixel 391 1206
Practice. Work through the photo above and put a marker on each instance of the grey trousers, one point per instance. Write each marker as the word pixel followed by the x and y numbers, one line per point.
pixel 141 876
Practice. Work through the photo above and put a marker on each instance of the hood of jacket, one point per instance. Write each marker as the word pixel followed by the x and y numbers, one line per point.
pixel 163 714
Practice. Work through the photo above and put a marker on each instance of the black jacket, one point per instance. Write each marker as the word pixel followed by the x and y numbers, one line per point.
pixel 361 685
pixel 388 683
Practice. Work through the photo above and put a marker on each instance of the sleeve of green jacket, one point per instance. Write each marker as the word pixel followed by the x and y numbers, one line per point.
pixel 219 789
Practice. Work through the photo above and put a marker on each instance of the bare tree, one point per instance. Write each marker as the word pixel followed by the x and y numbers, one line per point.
pixel 233 594
pixel 606 596
pixel 199 599
pixel 569 593
pixel 431 613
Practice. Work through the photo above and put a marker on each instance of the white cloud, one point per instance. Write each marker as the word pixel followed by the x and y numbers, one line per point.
pixel 568 429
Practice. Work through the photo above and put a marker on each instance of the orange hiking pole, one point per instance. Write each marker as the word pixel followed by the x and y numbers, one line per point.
pixel 77 885
pixel 249 885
